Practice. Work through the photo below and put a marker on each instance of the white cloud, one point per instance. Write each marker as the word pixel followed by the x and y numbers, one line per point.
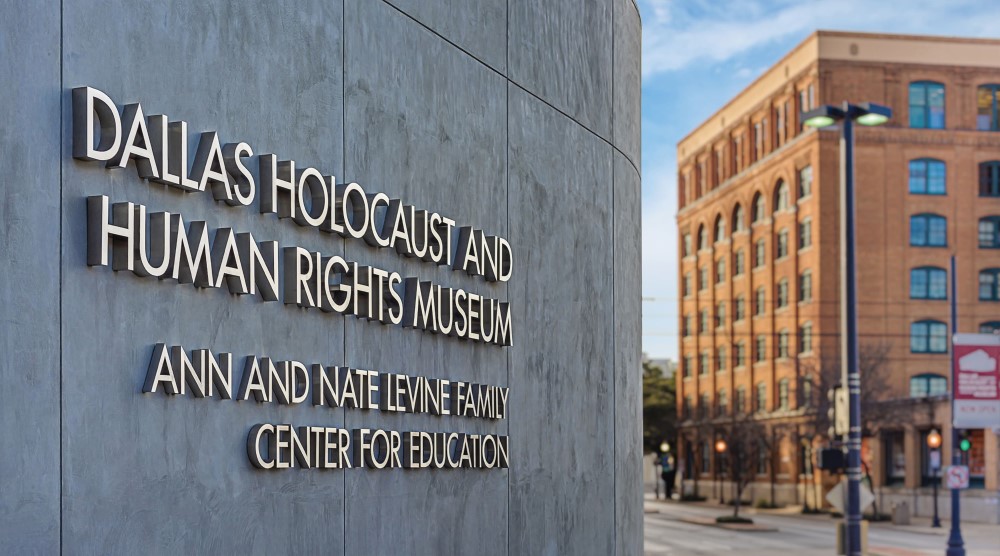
pixel 680 33
pixel 978 361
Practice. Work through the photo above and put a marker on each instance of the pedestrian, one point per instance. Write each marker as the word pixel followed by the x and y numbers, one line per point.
pixel 668 474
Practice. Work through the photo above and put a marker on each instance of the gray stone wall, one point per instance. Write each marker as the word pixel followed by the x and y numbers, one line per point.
pixel 518 117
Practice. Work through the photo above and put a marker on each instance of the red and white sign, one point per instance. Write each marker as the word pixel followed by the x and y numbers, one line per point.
pixel 958 477
pixel 976 381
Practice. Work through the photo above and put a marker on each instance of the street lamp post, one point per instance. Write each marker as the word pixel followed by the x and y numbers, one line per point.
pixel 934 443
pixel 720 448
pixel 869 115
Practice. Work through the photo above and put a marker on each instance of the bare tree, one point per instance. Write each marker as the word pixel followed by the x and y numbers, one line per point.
pixel 747 442
pixel 879 407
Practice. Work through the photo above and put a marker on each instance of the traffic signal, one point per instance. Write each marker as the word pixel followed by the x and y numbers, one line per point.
pixel 964 444
pixel 839 419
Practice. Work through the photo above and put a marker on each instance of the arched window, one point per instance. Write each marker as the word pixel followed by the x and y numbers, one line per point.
pixel 720 363
pixel 781 299
pixel 739 219
pixel 929 336
pixel 927 177
pixel 759 209
pixel 989 327
pixel 705 407
pixel 687 244
pixel 759 301
pixel 988 280
pixel 806 392
pixel 739 263
pixel 759 254
pixel 928 230
pixel 704 363
pixel 805 286
pixel 781 250
pixel 989 179
pixel 783 394
pixel 741 400
pixel 989 232
pixel 761 349
pixel 741 354
pixel 926 105
pixel 783 339
pixel 720 228
pixel 720 270
pixel 720 314
pixel 739 309
pixel 928 282
pixel 723 403
pixel 928 384
pixel 781 196
pixel 805 338
pixel 702 237
pixel 761 396
pixel 987 117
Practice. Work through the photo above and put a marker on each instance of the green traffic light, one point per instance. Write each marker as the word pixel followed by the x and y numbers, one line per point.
pixel 964 445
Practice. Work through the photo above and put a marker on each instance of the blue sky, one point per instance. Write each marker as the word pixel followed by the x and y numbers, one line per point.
pixel 697 54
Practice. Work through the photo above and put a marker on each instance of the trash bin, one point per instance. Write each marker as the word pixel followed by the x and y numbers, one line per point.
pixel 900 513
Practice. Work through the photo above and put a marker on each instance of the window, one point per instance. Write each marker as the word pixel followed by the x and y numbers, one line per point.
pixel 720 359
pixel 720 165
pixel 738 263
pixel 989 327
pixel 761 396
pixel 759 254
pixel 806 394
pixel 926 105
pixel 720 270
pixel 702 238
pixel 805 233
pixel 741 400
pixel 740 354
pixel 806 338
pixel 989 179
pixel 739 220
pixel 737 154
pixel 723 404
pixel 688 366
pixel 895 457
pixel 759 209
pixel 687 245
pixel 706 455
pixel 986 114
pixel 759 130
pixel 928 230
pixel 702 278
pixel 805 182
pixel 705 407
pixel 781 300
pixel 687 284
pixel 781 197
pixel 781 123
pixel 759 307
pixel 806 286
pixel 688 407
pixel 928 384
pixel 989 232
pixel 783 350
pixel 761 349
pixel 704 362
pixel 720 229
pixel 720 314
pixel 929 336
pixel 783 394
pixel 928 282
pixel 927 177
pixel 739 309
pixel 703 322
pixel 688 325
pixel 782 248
pixel 988 280
pixel 702 177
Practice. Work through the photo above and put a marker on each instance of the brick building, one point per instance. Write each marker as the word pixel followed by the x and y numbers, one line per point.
pixel 760 257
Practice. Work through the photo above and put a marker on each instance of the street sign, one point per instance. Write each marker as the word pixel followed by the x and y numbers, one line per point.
pixel 958 477
pixel 976 381
pixel 837 497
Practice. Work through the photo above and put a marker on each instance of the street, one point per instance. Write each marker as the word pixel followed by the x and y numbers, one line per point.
pixel 665 534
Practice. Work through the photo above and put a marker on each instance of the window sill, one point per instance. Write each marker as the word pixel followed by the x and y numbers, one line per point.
pixel 806 354
pixel 805 302
pixel 780 310
pixel 934 299
pixel 805 249
pixel 739 368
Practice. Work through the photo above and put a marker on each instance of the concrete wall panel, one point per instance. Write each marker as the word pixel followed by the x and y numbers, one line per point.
pixel 477 26
pixel 29 278
pixel 561 479
pixel 628 80
pixel 628 361
pixel 561 52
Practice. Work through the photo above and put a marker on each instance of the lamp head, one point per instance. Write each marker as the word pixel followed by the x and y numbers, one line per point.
pixel 720 445
pixel 822 116
pixel 934 439
pixel 871 114
pixel 664 447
